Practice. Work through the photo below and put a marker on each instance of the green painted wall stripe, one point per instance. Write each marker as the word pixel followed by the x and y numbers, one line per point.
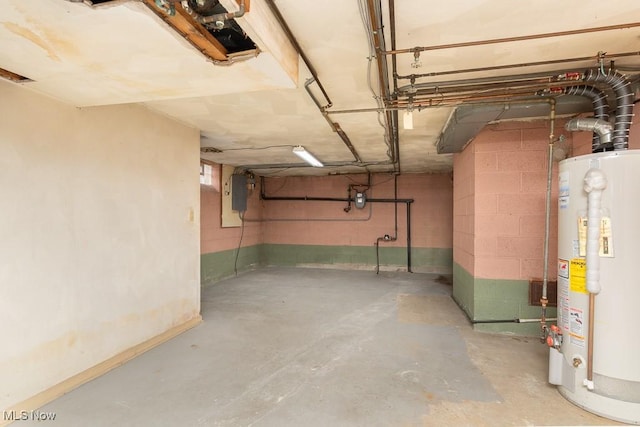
pixel 496 299
pixel 436 259
pixel 219 265
pixel 463 287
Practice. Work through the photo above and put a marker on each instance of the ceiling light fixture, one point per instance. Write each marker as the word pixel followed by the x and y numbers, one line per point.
pixel 407 117
pixel 407 120
pixel 307 156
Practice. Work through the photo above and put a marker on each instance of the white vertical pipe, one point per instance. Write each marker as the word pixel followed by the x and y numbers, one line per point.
pixel 594 182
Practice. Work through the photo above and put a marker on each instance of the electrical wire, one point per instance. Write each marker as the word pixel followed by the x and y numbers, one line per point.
pixel 235 263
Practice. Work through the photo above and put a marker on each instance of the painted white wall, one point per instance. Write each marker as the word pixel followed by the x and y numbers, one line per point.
pixel 99 235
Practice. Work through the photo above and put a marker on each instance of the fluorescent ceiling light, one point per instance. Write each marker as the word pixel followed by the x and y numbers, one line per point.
pixel 307 156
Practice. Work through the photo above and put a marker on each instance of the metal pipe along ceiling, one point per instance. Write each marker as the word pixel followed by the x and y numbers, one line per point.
pixel 314 79
pixel 513 39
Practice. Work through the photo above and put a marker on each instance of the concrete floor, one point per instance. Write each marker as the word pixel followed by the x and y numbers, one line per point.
pixel 313 347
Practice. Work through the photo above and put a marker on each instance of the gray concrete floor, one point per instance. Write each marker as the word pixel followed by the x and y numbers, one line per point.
pixel 314 347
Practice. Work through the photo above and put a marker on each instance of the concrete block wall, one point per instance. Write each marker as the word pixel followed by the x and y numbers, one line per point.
pixel 499 206
pixel 499 209
pixel 322 233
pixel 312 233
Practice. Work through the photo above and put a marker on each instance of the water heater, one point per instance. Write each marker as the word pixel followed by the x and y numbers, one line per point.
pixel 595 353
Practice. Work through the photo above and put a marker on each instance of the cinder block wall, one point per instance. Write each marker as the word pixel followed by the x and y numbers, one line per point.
pixel 499 247
pixel 322 234
pixel 499 214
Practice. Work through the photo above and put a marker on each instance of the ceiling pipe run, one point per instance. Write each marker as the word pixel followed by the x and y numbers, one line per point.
pixel 377 35
pixel 314 79
pixel 334 125
pixel 519 65
pixel 294 42
pixel 512 39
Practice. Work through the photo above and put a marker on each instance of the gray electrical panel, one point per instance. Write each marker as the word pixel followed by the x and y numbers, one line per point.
pixel 239 192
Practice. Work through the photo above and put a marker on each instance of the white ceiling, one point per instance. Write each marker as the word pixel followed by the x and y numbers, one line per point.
pixel 255 110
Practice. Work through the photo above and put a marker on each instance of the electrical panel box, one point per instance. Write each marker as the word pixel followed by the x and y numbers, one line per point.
pixel 239 192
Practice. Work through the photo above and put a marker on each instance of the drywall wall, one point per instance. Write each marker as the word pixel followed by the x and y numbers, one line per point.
pixel 99 235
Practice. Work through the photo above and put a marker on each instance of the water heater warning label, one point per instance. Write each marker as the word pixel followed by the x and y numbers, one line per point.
pixel 577 275
pixel 576 331
pixel 606 243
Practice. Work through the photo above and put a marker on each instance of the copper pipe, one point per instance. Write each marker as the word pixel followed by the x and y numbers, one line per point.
pixel 512 39
pixel 592 303
pixel 392 108
pixel 376 32
pixel 429 102
pixel 547 220
pixel 534 83
pixel 520 65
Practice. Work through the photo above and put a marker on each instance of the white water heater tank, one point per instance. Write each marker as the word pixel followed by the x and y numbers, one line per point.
pixel 614 389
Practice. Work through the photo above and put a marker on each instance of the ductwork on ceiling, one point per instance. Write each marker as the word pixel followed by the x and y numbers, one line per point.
pixel 466 121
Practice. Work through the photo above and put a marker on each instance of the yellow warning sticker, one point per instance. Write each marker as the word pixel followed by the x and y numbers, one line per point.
pixel 577 275
pixel 606 242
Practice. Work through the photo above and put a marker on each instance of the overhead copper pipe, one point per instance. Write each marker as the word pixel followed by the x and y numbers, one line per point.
pixel 520 65
pixel 515 100
pixel 491 88
pixel 429 102
pixel 512 39
pixel 376 32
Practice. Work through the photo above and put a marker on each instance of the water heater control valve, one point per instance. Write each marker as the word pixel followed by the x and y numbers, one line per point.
pixel 554 338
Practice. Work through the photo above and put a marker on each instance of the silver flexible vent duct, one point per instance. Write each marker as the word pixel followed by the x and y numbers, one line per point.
pixel 624 103
pixel 600 108
pixel 601 127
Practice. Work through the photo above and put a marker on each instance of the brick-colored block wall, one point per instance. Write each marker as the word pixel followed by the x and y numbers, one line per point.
pixel 510 188
pixel 326 223
pixel 464 203
pixel 500 182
